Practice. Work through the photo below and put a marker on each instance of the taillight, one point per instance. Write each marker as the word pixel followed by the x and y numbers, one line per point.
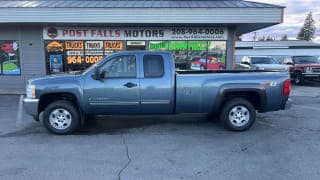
pixel 287 87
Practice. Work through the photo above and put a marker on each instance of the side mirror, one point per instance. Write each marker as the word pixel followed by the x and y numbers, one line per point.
pixel 246 63
pixel 289 63
pixel 97 75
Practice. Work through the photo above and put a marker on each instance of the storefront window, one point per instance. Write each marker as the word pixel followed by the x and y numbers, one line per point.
pixel 158 45
pixel 74 55
pixel 93 52
pixel 179 50
pixel 54 53
pixel 77 55
pixel 216 55
pixel 197 54
pixel 9 58
pixel 112 47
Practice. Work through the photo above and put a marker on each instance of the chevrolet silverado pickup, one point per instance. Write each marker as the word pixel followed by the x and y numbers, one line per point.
pixel 303 68
pixel 142 83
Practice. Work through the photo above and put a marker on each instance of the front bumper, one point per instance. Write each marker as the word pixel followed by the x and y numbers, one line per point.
pixel 31 106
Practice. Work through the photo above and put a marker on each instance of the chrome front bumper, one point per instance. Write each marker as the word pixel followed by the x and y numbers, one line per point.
pixel 31 106
pixel 311 75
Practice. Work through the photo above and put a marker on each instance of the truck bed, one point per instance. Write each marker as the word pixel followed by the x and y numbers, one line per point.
pixel 197 91
pixel 219 71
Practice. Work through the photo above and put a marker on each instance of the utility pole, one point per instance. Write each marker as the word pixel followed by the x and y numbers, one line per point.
pixel 255 36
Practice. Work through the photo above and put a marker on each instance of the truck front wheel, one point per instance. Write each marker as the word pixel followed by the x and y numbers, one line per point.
pixel 238 114
pixel 61 117
pixel 298 79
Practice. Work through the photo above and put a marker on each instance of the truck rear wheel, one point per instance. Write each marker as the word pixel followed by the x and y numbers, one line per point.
pixel 238 114
pixel 61 117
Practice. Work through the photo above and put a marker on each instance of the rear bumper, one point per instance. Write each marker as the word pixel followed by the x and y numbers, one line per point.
pixel 31 106
pixel 286 104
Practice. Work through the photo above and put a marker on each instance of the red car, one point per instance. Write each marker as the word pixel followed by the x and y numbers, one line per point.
pixel 211 63
pixel 7 47
pixel 304 67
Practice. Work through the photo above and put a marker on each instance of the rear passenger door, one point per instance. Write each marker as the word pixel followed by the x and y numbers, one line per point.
pixel 157 84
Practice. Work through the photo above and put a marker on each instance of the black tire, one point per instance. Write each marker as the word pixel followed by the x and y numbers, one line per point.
pixel 214 118
pixel 298 79
pixel 230 123
pixel 68 107
pixel 202 67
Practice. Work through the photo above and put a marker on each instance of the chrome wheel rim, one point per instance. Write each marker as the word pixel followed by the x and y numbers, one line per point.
pixel 239 116
pixel 201 68
pixel 60 119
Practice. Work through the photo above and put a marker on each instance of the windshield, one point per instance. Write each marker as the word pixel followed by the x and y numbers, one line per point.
pixel 203 60
pixel 263 60
pixel 305 60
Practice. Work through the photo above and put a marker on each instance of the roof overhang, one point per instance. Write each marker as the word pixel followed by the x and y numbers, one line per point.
pixel 243 19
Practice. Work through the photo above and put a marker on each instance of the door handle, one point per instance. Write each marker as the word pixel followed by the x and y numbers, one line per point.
pixel 130 85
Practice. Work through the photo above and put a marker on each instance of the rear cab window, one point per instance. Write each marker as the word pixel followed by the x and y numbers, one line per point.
pixel 153 66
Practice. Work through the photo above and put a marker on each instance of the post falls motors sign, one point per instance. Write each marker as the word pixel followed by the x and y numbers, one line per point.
pixel 142 33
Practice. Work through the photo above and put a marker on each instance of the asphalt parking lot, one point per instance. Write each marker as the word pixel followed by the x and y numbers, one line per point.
pixel 281 145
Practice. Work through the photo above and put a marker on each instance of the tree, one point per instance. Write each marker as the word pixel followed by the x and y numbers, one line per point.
pixel 284 38
pixel 269 38
pixel 308 30
pixel 239 38
pixel 262 39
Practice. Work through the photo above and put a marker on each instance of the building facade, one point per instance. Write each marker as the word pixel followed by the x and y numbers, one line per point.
pixel 280 50
pixel 45 37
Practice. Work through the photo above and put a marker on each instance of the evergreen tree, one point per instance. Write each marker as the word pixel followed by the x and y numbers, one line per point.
pixel 269 38
pixel 239 38
pixel 284 38
pixel 308 30
pixel 262 38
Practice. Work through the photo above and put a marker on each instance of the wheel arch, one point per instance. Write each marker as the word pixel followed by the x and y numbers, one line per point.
pixel 46 99
pixel 254 93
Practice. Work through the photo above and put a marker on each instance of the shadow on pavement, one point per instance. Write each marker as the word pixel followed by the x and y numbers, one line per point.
pixel 121 124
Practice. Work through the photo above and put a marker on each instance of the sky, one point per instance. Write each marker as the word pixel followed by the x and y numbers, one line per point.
pixel 295 14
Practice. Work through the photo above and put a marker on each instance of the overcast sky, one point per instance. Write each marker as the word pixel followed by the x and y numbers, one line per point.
pixel 295 13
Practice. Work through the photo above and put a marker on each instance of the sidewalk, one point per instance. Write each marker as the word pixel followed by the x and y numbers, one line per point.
pixel 12 91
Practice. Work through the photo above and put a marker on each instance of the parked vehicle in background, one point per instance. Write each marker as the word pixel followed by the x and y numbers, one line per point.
pixel 209 63
pixel 262 63
pixel 142 83
pixel 303 68
pixel 7 47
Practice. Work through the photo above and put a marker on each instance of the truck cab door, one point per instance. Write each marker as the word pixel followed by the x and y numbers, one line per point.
pixel 157 83
pixel 118 91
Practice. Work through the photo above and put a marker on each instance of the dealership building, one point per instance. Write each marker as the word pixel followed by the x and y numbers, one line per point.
pixel 45 37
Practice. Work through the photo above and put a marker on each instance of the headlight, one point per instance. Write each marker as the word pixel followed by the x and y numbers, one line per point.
pixel 308 70
pixel 31 91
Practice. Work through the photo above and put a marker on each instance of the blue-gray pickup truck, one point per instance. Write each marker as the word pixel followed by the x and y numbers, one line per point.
pixel 141 83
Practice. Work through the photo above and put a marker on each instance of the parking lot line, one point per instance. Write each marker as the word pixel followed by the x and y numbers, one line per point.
pixel 20 113
pixel 307 107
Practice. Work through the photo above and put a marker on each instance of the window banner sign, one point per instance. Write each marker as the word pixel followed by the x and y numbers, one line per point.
pixel 56 63
pixel 135 33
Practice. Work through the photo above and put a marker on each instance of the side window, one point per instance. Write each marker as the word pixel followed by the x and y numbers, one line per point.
pixel 120 67
pixel 153 66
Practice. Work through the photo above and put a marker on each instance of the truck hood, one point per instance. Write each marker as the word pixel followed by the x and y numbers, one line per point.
pixel 276 67
pixel 54 78
pixel 307 65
